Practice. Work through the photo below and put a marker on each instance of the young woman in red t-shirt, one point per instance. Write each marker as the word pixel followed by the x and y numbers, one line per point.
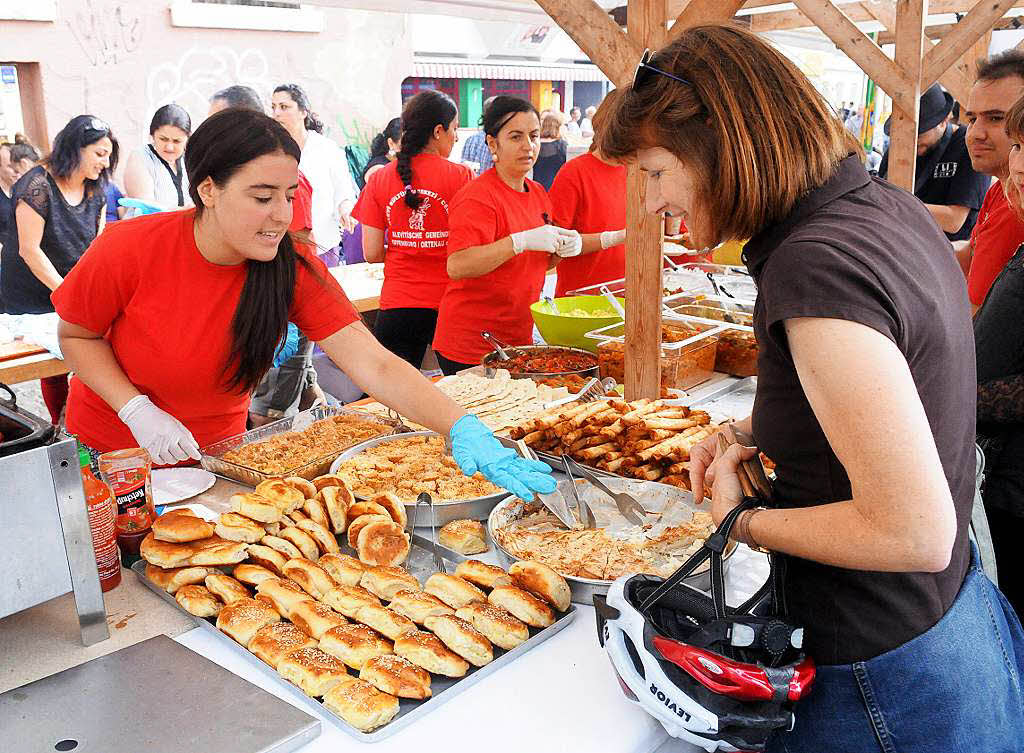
pixel 170 320
pixel 408 201
pixel 501 243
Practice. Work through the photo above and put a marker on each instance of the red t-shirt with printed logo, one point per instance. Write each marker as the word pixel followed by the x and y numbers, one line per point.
pixel 302 206
pixel 995 237
pixel 166 312
pixel 415 271
pixel 589 196
pixel 483 212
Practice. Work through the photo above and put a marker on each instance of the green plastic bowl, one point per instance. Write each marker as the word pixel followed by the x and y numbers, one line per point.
pixel 562 329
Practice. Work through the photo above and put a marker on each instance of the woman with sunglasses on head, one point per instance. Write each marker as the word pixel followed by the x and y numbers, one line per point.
pixel 501 243
pixel 59 208
pixel 404 212
pixel 865 399
pixel 170 367
pixel 155 173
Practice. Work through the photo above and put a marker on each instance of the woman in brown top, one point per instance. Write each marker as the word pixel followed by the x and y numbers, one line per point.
pixel 865 398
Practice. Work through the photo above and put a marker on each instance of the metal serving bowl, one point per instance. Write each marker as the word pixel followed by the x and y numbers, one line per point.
pixel 491 362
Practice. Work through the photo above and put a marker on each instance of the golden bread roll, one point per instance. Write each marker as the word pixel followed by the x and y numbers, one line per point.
pixel 464 536
pixel 355 525
pixel 427 651
pixel 312 670
pixel 361 705
pixel 302 541
pixel 354 644
pixel 252 575
pixel 321 481
pixel 482 575
pixel 367 508
pixel 273 528
pixel 164 554
pixel 283 594
pixel 418 605
pixel 280 493
pixel 303 486
pixel 325 541
pixel 264 556
pixel 462 638
pixel 241 619
pixel 499 626
pixel 226 588
pixel 397 676
pixel 337 500
pixel 541 580
pixel 314 579
pixel 199 601
pixel 173 579
pixel 453 590
pixel 381 543
pixel 293 517
pixel 181 527
pixel 276 640
pixel 316 511
pixel 394 506
pixel 385 581
pixel 388 623
pixel 524 605
pixel 210 551
pixel 233 526
pixel 345 569
pixel 217 551
pixel 254 506
pixel 315 618
pixel 348 599
pixel 284 546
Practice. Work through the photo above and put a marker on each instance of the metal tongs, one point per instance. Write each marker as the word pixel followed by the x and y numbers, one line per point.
pixel 554 502
pixel 585 514
pixel 594 389
pixel 628 507
pixel 613 301
pixel 498 346
pixel 426 499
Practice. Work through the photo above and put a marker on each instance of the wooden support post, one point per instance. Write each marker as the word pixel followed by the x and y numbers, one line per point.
pixel 704 11
pixel 646 27
pixel 590 27
pixel 967 32
pixel 910 16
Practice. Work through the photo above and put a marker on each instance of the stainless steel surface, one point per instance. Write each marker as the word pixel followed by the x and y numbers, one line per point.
pixel 45 541
pixel 212 460
pixel 443 688
pixel 156 696
pixel 734 398
pixel 628 507
pixel 447 511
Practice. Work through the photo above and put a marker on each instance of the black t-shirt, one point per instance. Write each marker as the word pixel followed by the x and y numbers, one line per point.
pixel 945 176
pixel 6 214
pixel 828 259
pixel 67 232
pixel 549 162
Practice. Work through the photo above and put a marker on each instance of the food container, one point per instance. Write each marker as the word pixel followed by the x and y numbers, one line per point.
pixel 737 345
pixel 709 305
pixel 19 429
pixel 575 319
pixel 688 350
pixel 492 363
pixel 710 279
pixel 212 456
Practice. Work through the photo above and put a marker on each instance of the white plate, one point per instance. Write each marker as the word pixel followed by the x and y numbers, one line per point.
pixel 175 484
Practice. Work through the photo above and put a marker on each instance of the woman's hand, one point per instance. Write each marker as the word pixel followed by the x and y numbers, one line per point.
pixel 475 449
pixel 726 492
pixel 163 436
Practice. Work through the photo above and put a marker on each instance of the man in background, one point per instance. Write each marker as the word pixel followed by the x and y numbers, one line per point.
pixel 475 148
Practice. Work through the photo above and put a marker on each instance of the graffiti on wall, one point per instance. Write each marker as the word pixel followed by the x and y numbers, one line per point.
pixel 106 31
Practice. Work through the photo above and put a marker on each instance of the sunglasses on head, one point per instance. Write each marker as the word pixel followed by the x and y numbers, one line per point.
pixel 95 124
pixel 645 72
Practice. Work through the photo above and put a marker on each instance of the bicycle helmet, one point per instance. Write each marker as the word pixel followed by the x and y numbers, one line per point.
pixel 721 678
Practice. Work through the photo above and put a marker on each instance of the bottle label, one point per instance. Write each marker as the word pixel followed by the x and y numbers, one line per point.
pixel 133 510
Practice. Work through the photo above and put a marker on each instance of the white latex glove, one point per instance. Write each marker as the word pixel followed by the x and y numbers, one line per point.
pixel 163 436
pixel 611 238
pixel 540 238
pixel 570 244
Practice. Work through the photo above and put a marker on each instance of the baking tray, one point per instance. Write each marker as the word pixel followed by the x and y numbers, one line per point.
pixel 584 589
pixel 734 399
pixel 474 509
pixel 443 689
pixel 212 455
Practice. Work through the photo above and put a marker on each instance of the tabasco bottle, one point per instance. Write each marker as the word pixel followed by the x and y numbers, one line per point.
pixel 101 510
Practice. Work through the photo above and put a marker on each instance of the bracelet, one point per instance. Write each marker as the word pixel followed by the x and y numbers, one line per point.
pixel 744 525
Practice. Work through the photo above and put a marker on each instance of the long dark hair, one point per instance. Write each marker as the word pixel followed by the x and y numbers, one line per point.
pixel 222 145
pixel 239 95
pixel 379 145
pixel 501 110
pixel 420 115
pixel 312 121
pixel 80 132
pixel 171 115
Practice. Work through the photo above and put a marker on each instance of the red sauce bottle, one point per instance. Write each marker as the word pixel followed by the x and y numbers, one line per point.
pixel 127 473
pixel 102 511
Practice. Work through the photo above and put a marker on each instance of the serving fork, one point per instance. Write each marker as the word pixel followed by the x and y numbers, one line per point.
pixel 628 507
pixel 586 515
pixel 426 499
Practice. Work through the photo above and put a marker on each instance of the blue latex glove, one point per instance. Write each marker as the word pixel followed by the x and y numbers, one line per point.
pixel 475 449
pixel 289 346
pixel 144 207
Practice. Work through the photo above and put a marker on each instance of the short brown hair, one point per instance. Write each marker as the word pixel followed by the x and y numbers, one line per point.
pixel 1002 65
pixel 749 123
pixel 550 127
pixel 1014 125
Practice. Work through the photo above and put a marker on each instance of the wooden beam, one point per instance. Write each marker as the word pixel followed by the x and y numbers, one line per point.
pixel 903 129
pixel 646 28
pixel 940 31
pixel 699 12
pixel 860 49
pixel 858 12
pixel 597 35
pixel 967 32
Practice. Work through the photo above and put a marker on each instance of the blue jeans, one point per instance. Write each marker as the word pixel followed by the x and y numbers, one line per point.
pixel 954 688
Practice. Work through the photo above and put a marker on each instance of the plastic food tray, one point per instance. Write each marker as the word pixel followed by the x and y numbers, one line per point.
pixel 213 461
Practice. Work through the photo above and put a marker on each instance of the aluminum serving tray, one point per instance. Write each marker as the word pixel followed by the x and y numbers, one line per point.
pixel 475 509
pixel 732 399
pixel 584 589
pixel 443 689
pixel 212 460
